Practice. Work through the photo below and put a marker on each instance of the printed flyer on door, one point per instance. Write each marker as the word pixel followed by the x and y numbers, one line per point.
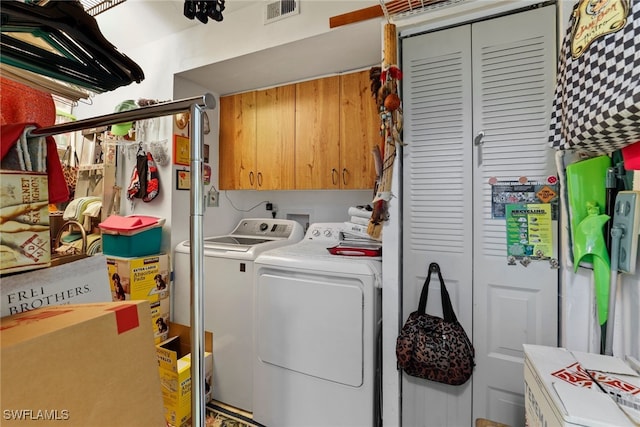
pixel 529 230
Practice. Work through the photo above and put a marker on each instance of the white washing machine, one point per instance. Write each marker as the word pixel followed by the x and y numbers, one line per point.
pixel 228 308
pixel 317 320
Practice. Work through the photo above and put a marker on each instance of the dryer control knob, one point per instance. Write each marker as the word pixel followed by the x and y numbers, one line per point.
pixel 316 232
pixel 264 226
pixel 327 233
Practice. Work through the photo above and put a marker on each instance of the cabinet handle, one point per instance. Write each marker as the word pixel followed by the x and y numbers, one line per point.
pixel 344 176
pixel 259 179
pixel 334 172
pixel 251 178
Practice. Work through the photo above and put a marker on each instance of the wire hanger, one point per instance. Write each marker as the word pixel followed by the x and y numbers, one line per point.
pixel 60 40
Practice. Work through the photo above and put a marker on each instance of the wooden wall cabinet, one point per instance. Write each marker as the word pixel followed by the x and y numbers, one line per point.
pixel 337 126
pixel 275 138
pixel 312 135
pixel 238 141
pixel 318 134
pixel 359 131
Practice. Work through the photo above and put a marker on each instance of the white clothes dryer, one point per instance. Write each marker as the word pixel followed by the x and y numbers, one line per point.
pixel 228 290
pixel 317 320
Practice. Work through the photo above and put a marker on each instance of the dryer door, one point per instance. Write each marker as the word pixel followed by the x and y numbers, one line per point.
pixel 311 324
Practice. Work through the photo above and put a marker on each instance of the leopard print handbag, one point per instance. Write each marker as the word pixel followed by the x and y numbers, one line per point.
pixel 435 348
pixel 70 171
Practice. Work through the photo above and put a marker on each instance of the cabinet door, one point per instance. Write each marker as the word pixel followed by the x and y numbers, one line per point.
pixel 275 138
pixel 238 141
pixel 359 131
pixel 317 149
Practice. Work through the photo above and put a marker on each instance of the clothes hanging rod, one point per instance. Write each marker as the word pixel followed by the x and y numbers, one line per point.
pixel 206 101
pixel 195 106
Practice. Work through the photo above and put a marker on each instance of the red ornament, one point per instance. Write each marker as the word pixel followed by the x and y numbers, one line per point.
pixel 392 102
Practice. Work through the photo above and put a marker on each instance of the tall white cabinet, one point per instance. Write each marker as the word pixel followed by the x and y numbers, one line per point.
pixel 477 101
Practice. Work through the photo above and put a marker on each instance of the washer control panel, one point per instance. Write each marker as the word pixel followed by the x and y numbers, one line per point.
pixel 325 231
pixel 272 228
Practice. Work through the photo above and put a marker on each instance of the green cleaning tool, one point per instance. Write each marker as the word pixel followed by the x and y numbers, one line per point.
pixel 589 246
pixel 586 193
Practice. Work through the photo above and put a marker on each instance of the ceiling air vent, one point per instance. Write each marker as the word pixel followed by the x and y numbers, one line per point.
pixel 280 9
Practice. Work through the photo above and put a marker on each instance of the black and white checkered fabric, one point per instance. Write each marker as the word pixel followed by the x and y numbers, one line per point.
pixel 597 97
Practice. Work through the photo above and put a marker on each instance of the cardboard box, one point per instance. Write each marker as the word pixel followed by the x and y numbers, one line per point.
pixel 561 389
pixel 82 365
pixel 144 278
pixel 82 281
pixel 174 364
pixel 25 240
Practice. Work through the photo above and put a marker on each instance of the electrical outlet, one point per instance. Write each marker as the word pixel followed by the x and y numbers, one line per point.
pixel 627 217
pixel 212 199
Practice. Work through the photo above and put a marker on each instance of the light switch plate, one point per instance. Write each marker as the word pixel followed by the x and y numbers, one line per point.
pixel 627 217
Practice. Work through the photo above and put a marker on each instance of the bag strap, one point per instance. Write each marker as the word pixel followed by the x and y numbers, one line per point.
pixel 447 309
pixel 66 157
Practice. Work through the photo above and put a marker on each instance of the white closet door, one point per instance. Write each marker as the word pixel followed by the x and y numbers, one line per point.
pixel 514 67
pixel 494 76
pixel 437 202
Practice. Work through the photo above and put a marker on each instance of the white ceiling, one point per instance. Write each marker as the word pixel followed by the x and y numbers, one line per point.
pixel 142 21
pixel 342 49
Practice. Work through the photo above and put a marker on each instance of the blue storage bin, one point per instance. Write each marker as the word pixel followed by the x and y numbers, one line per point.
pixel 140 244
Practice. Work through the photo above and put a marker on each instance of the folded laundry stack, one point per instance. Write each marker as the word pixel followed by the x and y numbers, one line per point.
pixel 82 210
pixel 359 217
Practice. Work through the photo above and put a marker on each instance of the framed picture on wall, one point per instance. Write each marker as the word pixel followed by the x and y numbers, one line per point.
pixel 181 150
pixel 183 180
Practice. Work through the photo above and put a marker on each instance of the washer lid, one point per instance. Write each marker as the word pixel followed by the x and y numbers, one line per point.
pixel 233 240
pixel 232 243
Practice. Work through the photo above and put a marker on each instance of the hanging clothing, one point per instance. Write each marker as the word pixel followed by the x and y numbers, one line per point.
pixel 10 135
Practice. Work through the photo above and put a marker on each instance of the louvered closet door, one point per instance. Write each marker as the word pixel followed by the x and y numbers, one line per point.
pixel 437 202
pixel 514 75
pixel 495 76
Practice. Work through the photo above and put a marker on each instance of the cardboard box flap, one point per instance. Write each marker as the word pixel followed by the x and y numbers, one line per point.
pixel 184 333
pixel 585 406
pixel 171 350
pixel 602 363
pixel 168 351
